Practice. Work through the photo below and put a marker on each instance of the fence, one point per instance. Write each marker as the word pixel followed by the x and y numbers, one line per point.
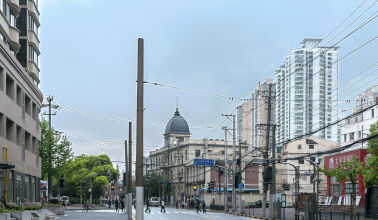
pixel 340 216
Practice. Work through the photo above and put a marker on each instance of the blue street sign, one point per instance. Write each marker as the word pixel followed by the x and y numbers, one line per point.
pixel 241 186
pixel 203 162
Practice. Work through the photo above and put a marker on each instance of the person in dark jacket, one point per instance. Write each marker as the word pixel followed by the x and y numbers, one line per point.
pixel 148 206
pixel 203 206
pixel 116 203
pixel 198 206
pixel 110 203
pixel 122 204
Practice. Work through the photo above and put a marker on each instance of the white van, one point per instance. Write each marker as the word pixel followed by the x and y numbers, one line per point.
pixel 154 201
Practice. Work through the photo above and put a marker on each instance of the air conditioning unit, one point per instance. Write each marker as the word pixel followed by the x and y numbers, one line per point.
pixel 279 156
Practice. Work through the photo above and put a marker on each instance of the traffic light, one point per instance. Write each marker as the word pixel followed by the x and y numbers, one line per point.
pixel 267 175
pixel 237 179
pixel 195 187
pixel 112 187
pixel 285 187
pixel 124 179
pixel 61 182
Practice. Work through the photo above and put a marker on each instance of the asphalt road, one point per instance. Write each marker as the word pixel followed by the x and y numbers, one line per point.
pixel 170 214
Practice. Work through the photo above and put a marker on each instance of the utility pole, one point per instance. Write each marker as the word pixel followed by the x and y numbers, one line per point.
pixel 225 185
pixel 233 163
pixel 266 155
pixel 273 187
pixel 130 171
pixel 126 180
pixel 49 174
pixel 233 159
pixel 139 134
pixel 117 181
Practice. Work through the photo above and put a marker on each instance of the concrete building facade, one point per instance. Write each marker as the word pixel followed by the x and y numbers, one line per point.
pixel 307 93
pixel 243 116
pixel 174 164
pixel 21 101
pixel 286 173
pixel 259 112
pixel 357 127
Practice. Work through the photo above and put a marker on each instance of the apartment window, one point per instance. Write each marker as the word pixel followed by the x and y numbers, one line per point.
pixel 33 25
pixel 27 188
pixel 33 55
pixel 28 105
pixel 351 136
pixel 10 186
pixel 349 189
pixel 222 152
pixel 10 135
pixel 345 137
pixel 359 134
pixel 33 186
pixel 198 153
pixel 18 189
pixel 186 154
pixel 19 96
pixel 312 159
pixel 9 87
pixel 12 19
pixel 311 146
pixel 372 113
pixel 299 146
pixel 301 161
pixel 1 79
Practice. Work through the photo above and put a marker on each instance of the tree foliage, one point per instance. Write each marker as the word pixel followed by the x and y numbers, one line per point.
pixel 88 172
pixel 370 175
pixel 54 150
pixel 152 183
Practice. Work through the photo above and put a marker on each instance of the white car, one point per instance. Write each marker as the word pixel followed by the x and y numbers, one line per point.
pixel 154 201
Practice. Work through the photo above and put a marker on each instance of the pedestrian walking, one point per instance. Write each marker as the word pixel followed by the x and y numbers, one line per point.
pixel 122 204
pixel 116 203
pixel 84 206
pixel 198 206
pixel 182 204
pixel 203 206
pixel 110 203
pixel 176 204
pixel 148 209
pixel 162 206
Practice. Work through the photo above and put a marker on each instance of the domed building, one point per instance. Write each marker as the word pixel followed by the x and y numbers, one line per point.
pixel 177 130
pixel 180 179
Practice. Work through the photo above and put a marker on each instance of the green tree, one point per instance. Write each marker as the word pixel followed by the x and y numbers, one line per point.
pixel 152 183
pixel 55 151
pixel 370 174
pixel 88 172
pixel 348 171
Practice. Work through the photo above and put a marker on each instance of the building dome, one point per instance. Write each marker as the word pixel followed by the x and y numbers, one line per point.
pixel 177 125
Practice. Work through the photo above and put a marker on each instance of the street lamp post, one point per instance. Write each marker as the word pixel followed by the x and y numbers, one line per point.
pixel 315 180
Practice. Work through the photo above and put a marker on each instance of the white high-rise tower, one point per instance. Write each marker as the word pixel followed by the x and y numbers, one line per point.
pixel 306 85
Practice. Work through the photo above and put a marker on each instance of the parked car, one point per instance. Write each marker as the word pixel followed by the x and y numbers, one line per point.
pixel 258 204
pixel 154 201
pixel 65 200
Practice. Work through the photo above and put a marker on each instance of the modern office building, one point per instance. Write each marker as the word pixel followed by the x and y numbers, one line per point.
pixel 307 94
pixel 20 102
pixel 243 117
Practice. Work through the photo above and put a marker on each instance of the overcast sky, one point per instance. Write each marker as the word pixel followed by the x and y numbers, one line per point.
pixel 89 50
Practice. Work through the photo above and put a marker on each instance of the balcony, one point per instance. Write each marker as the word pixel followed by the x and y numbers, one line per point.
pixel 33 39
pixel 14 6
pixel 14 35
pixel 33 69
pixel 32 7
